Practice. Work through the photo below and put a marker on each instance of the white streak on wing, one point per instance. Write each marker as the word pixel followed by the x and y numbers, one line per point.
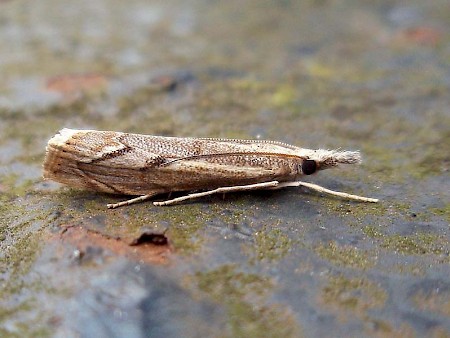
pixel 84 151
pixel 66 134
pixel 62 137
pixel 110 149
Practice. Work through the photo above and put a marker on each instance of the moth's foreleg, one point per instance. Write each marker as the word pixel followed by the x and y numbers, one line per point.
pixel 325 190
pixel 257 186
pixel 131 201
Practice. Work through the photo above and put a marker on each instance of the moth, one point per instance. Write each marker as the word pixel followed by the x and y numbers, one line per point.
pixel 146 166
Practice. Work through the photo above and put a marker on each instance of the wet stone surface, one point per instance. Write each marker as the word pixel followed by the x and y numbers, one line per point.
pixel 364 75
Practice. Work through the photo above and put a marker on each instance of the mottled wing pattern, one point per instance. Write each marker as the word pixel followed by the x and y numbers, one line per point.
pixel 139 164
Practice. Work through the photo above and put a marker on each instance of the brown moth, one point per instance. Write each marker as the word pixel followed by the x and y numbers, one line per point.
pixel 145 166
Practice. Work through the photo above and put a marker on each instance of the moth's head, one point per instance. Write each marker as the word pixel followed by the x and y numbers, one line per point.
pixel 315 160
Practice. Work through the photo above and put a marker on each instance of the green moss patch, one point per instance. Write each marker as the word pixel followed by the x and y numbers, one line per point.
pixel 243 296
pixel 355 295
pixel 271 244
pixel 418 244
pixel 345 256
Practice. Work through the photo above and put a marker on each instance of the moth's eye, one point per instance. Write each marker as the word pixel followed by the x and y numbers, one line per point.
pixel 309 167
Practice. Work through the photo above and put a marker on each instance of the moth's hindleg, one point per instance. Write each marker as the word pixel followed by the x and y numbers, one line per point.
pixel 131 201
pixel 257 186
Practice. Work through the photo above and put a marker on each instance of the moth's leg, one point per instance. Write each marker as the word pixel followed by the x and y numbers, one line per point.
pixel 265 185
pixel 131 201
pixel 325 190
